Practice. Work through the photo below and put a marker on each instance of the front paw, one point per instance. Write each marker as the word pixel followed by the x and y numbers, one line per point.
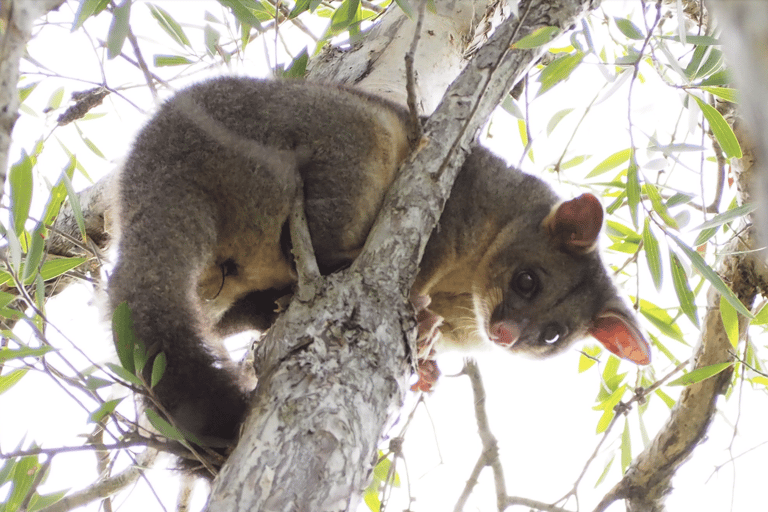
pixel 428 375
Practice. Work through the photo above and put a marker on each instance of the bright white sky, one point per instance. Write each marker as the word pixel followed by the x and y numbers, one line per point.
pixel 540 411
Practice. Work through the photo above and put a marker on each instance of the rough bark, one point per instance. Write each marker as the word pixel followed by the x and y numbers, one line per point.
pixel 337 376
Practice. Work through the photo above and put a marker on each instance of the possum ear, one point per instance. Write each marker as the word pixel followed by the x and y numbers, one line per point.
pixel 574 225
pixel 622 336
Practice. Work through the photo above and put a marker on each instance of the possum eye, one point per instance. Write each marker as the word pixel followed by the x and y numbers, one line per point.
pixel 551 334
pixel 525 283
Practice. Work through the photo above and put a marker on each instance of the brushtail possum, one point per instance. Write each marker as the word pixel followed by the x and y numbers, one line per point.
pixel 202 206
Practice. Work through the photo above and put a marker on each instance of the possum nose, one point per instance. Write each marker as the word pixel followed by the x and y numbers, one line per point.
pixel 505 333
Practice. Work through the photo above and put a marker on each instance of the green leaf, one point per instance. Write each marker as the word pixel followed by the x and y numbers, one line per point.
pixel 720 128
pixel 56 267
pixel 125 338
pixel 57 195
pixel 298 67
pixel 212 37
pixel 652 254
pixel 761 318
pixel 558 70
pixel 705 235
pixel 727 216
pixel 573 162
pixel 682 289
pixel 20 178
pixel 171 60
pixel 24 473
pixel 345 16
pixel 712 276
pixel 629 29
pixel 104 410
pixel 94 383
pixel 41 501
pixel 611 162
pixel 538 37
pixel 7 354
pixel 170 25
pixel 163 426
pixel 74 203
pixel 605 472
pixel 658 205
pixel 404 6
pixel 34 254
pixel 725 93
pixel 665 398
pixel 158 369
pixel 722 77
pixel 633 189
pixel 730 321
pixel 86 9
pixel 125 375
pixel 10 379
pixel 661 319
pixel 586 362
pixel 626 447
pixel 696 40
pixel 556 118
pixel 700 374
pixel 118 29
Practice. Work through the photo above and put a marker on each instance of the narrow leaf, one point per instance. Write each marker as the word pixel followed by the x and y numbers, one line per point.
pixel 171 60
pixel 658 205
pixel 170 25
pixel 118 29
pixel 10 379
pixel 8 354
pixel 652 254
pixel 556 118
pixel 104 410
pixel 629 29
pixel 712 276
pixel 633 189
pixel 626 447
pixel 163 426
pixel 682 289
pixel 125 374
pixel 57 267
pixel 727 216
pixel 74 203
pixel 558 70
pixel 725 93
pixel 122 327
pixel 761 318
pixel 20 178
pixel 538 37
pixel 699 374
pixel 730 321
pixel 611 162
pixel 86 9
pixel 158 369
pixel 723 132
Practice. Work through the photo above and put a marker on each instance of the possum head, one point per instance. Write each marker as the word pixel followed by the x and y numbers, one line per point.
pixel 543 290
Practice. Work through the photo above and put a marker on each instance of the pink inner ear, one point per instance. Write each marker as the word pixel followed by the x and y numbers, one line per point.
pixel 577 223
pixel 620 338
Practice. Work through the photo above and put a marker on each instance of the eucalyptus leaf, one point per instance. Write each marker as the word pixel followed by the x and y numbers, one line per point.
pixel 700 374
